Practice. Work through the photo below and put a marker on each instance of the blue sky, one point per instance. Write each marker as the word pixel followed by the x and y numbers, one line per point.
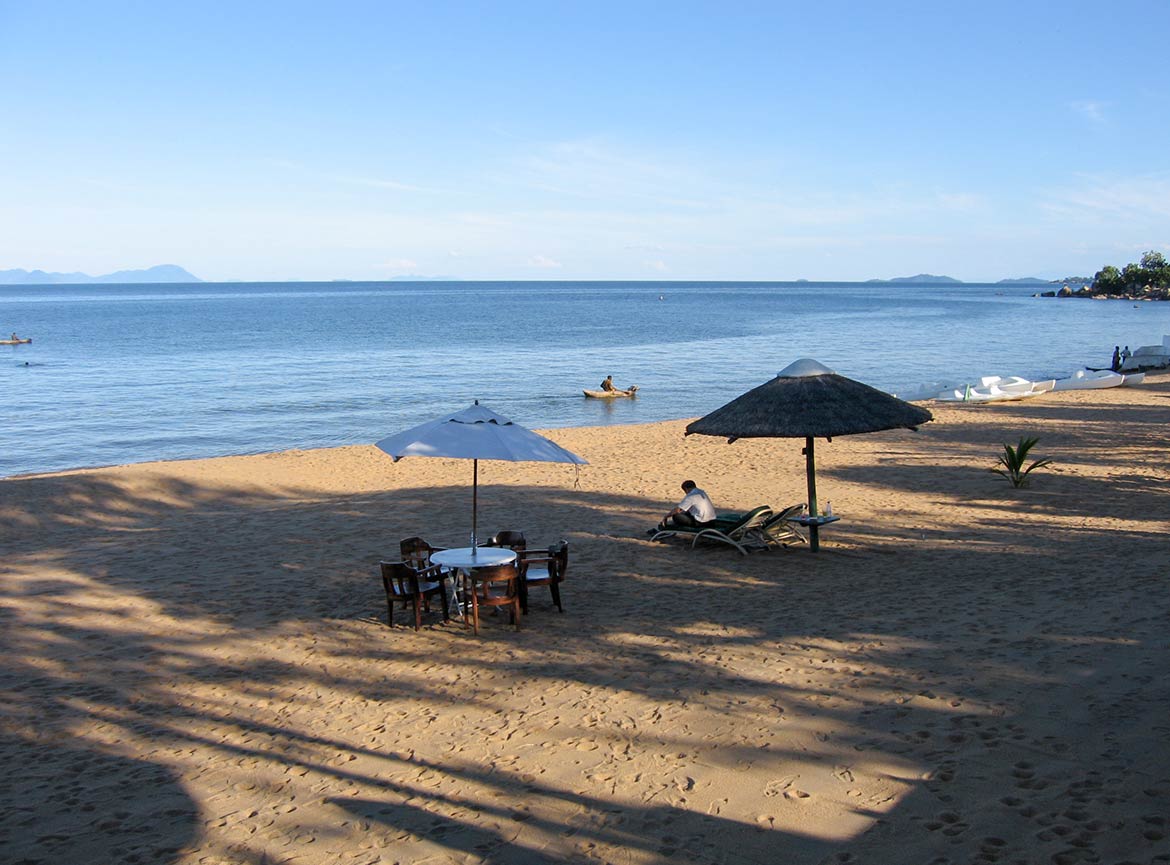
pixel 588 140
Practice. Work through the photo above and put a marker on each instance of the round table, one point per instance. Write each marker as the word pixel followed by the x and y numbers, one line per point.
pixel 473 557
pixel 466 558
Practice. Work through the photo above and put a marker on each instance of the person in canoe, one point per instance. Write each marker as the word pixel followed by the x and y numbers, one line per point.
pixel 606 385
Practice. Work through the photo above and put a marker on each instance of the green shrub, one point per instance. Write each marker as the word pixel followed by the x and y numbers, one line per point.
pixel 1011 462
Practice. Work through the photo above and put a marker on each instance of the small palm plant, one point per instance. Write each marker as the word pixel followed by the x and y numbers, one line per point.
pixel 1012 461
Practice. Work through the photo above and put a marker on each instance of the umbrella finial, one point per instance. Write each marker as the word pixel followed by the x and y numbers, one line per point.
pixel 804 368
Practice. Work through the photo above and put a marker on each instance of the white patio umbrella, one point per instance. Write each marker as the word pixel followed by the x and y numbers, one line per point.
pixel 476 433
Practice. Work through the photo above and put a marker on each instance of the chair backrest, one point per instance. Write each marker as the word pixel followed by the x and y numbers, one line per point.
pixel 416 552
pixel 513 540
pixel 753 519
pixel 559 553
pixel 777 526
pixel 504 575
pixel 399 579
pixel 403 579
pixel 783 516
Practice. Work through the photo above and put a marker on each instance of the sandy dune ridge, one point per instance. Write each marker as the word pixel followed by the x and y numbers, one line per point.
pixel 197 669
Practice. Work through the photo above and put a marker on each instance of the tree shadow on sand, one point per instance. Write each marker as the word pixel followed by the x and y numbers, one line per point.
pixel 201 638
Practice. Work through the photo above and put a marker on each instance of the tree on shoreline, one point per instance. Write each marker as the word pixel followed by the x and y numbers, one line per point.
pixel 1151 274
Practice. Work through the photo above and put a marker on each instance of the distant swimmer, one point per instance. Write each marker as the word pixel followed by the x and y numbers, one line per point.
pixel 662 297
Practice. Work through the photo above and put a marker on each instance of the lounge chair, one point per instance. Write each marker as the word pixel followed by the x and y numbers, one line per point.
pixel 777 531
pixel 724 530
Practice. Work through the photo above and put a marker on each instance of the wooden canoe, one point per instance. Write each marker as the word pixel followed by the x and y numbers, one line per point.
pixel 15 341
pixel 611 394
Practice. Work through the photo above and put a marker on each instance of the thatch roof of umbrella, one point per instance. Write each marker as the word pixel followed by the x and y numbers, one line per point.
pixel 808 400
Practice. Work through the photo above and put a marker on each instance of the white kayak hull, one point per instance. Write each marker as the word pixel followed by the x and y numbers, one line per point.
pixel 1087 379
pixel 990 393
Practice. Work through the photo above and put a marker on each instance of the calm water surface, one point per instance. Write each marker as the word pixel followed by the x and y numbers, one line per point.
pixel 127 373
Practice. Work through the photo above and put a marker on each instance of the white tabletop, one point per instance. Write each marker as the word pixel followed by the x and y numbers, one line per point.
pixel 478 557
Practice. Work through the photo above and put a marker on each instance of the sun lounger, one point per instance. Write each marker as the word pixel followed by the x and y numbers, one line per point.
pixel 777 531
pixel 725 531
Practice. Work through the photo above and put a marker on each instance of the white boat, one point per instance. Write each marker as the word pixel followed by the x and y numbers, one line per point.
pixel 995 388
pixel 1014 383
pixel 920 392
pixel 1086 379
pixel 1148 357
pixel 1133 378
pixel 985 393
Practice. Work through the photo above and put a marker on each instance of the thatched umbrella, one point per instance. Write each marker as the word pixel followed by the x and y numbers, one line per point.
pixel 808 400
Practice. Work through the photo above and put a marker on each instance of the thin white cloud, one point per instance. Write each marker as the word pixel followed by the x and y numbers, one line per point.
pixel 400 264
pixel 379 183
pixel 963 202
pixel 281 162
pixel 659 266
pixel 543 261
pixel 1091 110
pixel 1137 198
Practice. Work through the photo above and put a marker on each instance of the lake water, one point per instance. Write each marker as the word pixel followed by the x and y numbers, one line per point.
pixel 128 373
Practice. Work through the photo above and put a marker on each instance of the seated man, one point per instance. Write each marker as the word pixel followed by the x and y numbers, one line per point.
pixel 607 385
pixel 694 510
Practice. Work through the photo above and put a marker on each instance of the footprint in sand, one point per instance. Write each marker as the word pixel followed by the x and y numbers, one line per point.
pixel 783 787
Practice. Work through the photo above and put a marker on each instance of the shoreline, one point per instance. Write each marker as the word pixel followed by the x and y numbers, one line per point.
pixel 1153 375
pixel 196 665
pixel 97 402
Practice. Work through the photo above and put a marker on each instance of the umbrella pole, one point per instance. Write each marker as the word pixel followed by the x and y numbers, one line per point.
pixel 474 505
pixel 810 469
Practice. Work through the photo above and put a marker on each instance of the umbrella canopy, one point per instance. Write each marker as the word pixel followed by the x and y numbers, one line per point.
pixel 807 400
pixel 476 433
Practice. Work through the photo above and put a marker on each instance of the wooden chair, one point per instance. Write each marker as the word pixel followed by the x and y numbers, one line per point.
pixel 497 586
pixel 512 540
pixel 413 587
pixel 416 552
pixel 544 568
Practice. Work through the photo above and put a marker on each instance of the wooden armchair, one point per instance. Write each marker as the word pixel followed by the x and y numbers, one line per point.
pixel 512 540
pixel 544 568
pixel 413 587
pixel 497 586
pixel 416 552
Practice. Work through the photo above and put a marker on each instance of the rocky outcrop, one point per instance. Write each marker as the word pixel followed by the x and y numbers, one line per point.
pixel 1147 293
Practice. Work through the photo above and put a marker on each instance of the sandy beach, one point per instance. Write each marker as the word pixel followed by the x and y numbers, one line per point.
pixel 197 666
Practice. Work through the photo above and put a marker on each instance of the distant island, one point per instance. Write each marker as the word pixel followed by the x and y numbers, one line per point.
pixel 922 277
pixel 931 279
pixel 159 273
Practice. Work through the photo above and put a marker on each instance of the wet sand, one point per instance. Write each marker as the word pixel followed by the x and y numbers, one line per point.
pixel 197 666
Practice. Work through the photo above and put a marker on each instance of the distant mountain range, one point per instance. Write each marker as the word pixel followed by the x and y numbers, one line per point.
pixel 174 273
pixel 159 273
pixel 931 279
pixel 922 277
